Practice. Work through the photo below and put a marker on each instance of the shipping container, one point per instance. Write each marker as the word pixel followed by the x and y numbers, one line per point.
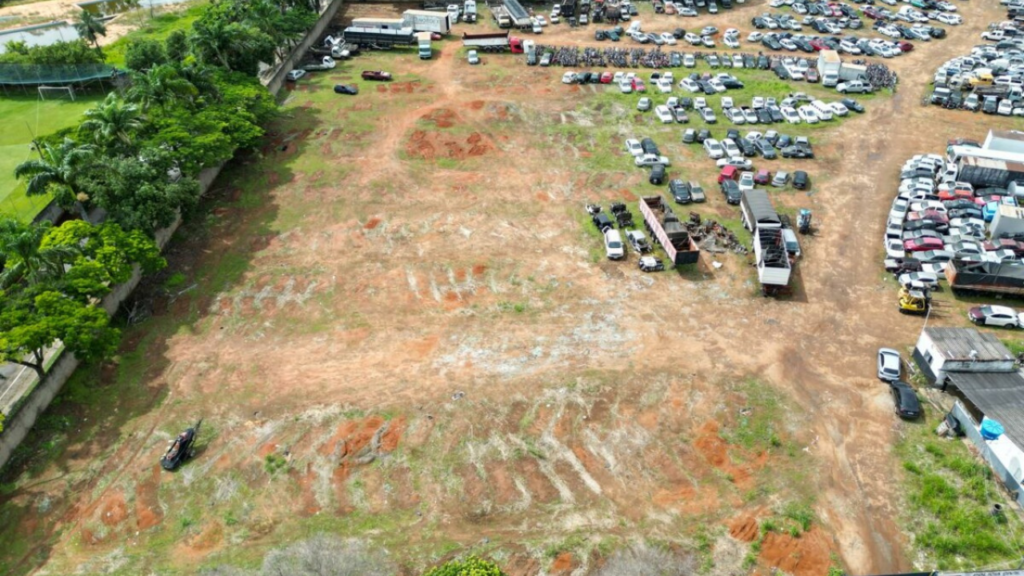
pixel 664 226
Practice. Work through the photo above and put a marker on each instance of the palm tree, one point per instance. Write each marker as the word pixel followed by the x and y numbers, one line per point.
pixel 90 28
pixel 201 76
pixel 24 258
pixel 162 84
pixel 112 123
pixel 208 39
pixel 56 172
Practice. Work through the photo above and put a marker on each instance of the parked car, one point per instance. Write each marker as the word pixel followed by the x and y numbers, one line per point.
pixel 350 89
pixel 657 176
pixel 680 191
pixel 919 281
pixel 994 316
pixel 780 179
pixel 731 191
pixel 643 104
pixel 472 57
pixel 650 160
pixel 294 75
pixel 697 192
pixel 378 75
pixel 800 180
pixel 633 147
pixel 889 364
pixel 905 401
pixel 613 247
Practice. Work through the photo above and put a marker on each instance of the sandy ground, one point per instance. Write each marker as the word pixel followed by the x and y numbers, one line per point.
pixel 417 253
pixel 50 10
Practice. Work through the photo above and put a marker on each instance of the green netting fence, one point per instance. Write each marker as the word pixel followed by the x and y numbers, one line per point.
pixel 41 75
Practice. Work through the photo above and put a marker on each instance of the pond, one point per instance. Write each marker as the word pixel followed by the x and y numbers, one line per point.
pixel 40 35
pixel 111 7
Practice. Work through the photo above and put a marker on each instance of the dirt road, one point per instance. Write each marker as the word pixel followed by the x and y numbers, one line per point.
pixel 396 299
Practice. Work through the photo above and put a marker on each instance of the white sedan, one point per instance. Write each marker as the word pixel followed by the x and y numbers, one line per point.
pixel 755 37
pixel 737 161
pixel 664 86
pixel 650 160
pixel 808 114
pixel 668 38
pixel 736 116
pixel 633 147
pixel 894 248
pixel 664 114
pixel 919 281
pixel 951 19
pixel 689 85
pixel 789 113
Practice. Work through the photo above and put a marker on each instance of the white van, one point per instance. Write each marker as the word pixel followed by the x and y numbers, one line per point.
pixel 613 246
pixel 824 110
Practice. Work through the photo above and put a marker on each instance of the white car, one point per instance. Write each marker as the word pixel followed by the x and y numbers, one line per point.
pixel 755 37
pixel 894 248
pixel 994 316
pixel 808 114
pixel 708 115
pixel 919 281
pixel 727 102
pixel 888 365
pixel 790 115
pixel 788 44
pixel 707 41
pixel 716 84
pixel 569 78
pixel 664 114
pixel 294 75
pixel 839 109
pixel 735 116
pixel 541 20
pixel 757 102
pixel 634 148
pixel 714 149
pixel 692 38
pixel 664 86
pixel 626 87
pixel 643 104
pixel 689 60
pixel 730 147
pixel 650 160
pixel 613 246
pixel 731 42
pixel 689 85
pixel 746 181
pixel 668 38
pixel 951 19
pixel 737 161
pixel 749 115
pixel 700 102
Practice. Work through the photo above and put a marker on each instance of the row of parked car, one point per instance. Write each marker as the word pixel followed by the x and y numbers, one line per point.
pixel 935 218
pixel 890 370
pixel 614 247
pixel 989 79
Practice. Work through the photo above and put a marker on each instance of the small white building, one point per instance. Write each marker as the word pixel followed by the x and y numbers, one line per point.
pixel 942 351
pixel 1008 219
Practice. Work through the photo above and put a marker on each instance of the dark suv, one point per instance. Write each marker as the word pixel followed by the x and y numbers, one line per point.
pixel 731 191
pixel 680 191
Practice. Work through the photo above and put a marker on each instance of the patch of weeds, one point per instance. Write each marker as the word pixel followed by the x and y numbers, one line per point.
pixel 768 525
pixel 516 307
pixel 274 463
pixel 750 560
pixel 705 550
pixel 569 544
pixel 794 531
pixel 754 428
pixel 799 513
pixel 230 519
pixel 186 522
pixel 175 281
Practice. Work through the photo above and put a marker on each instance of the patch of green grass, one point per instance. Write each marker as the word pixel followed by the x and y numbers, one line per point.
pixel 274 463
pixel 176 280
pixel 799 513
pixel 950 494
pixel 573 542
pixel 157 28
pixel 755 427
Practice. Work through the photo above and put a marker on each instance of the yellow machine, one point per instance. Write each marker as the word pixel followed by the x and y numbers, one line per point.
pixel 913 302
pixel 983 78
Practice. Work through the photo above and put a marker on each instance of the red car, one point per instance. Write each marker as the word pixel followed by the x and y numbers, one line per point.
pixel 606 78
pixel 923 243
pixel 933 215
pixel 638 85
pixel 812 75
pixel 818 45
pixel 872 13
pixel 1004 244
pixel 905 46
pixel 762 177
pixel 982 200
pixel 946 195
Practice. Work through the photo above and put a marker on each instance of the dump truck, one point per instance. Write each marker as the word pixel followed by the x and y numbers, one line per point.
pixel 666 229
pixel 368 37
pixel 424 47
pixel 985 278
pixel 427 21
pixel 493 42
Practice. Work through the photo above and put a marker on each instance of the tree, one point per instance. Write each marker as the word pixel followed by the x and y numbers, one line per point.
pixel 56 54
pixel 236 46
pixel 138 193
pixel 161 85
pixel 90 28
pixel 144 54
pixel 57 171
pixel 112 124
pixel 24 257
pixel 117 251
pixel 176 46
pixel 470 566
pixel 35 319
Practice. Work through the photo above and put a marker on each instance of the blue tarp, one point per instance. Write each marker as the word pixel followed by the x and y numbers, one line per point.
pixel 990 429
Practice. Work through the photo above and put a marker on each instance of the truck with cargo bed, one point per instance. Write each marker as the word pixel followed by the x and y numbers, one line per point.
pixel 772 259
pixel 756 210
pixel 666 229
pixel 370 37
pixel 493 42
pixel 985 278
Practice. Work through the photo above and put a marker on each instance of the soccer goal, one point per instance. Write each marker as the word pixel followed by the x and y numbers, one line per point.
pixel 61 92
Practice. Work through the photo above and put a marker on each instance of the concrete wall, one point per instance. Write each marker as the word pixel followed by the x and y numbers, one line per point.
pixel 17 427
pixel 276 80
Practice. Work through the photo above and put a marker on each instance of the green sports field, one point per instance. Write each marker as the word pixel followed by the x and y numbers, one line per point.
pixel 23 117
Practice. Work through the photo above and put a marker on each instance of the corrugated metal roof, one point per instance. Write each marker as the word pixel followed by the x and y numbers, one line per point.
pixel 958 343
pixel 999 396
pixel 993 163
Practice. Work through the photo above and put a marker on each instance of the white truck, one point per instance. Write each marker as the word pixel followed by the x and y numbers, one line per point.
pixel 469 11
pixel 427 21
pixel 772 257
pixel 453 12
pixel 829 64
pixel 853 72
pixel 385 23
pixel 423 45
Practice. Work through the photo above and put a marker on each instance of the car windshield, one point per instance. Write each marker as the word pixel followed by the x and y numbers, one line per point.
pixel 614 244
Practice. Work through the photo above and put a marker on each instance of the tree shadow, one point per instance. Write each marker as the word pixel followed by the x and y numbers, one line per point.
pixel 98 415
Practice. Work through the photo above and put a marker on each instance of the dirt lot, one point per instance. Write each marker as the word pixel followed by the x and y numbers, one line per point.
pixel 395 325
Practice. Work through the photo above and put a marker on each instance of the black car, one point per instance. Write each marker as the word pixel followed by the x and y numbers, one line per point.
pixel 965 213
pixel 350 89
pixel 990 106
pixel 764 116
pixel 746 147
pixel 766 149
pixel 731 83
pixel 905 401
pixel 657 174
pixel 852 105
pixel 686 103
pixel 707 88
pixel 803 45
pixel 602 221
pixel 763 62
pixel 182 449
pixel 937 33
pixel 680 191
pixel 800 180
pixel 775 114
pixel 797 152
pixel 732 134
pixel 959 204
pixel 784 141
pixel 650 147
pixel 678 33
pixel 912 225
pixel 600 35
pixel 781 72
pixel 703 135
pixel 771 42
pixel 758 23
pixel 731 191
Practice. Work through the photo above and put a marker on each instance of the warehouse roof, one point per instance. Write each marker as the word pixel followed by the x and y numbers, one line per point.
pixel 960 343
pixel 999 396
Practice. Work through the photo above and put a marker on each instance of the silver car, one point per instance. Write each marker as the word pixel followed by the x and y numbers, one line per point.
pixel 889 364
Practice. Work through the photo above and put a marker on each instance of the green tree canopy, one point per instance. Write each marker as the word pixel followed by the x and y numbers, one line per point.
pixel 144 54
pixel 90 28
pixel 112 124
pixel 56 54
pixel 57 171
